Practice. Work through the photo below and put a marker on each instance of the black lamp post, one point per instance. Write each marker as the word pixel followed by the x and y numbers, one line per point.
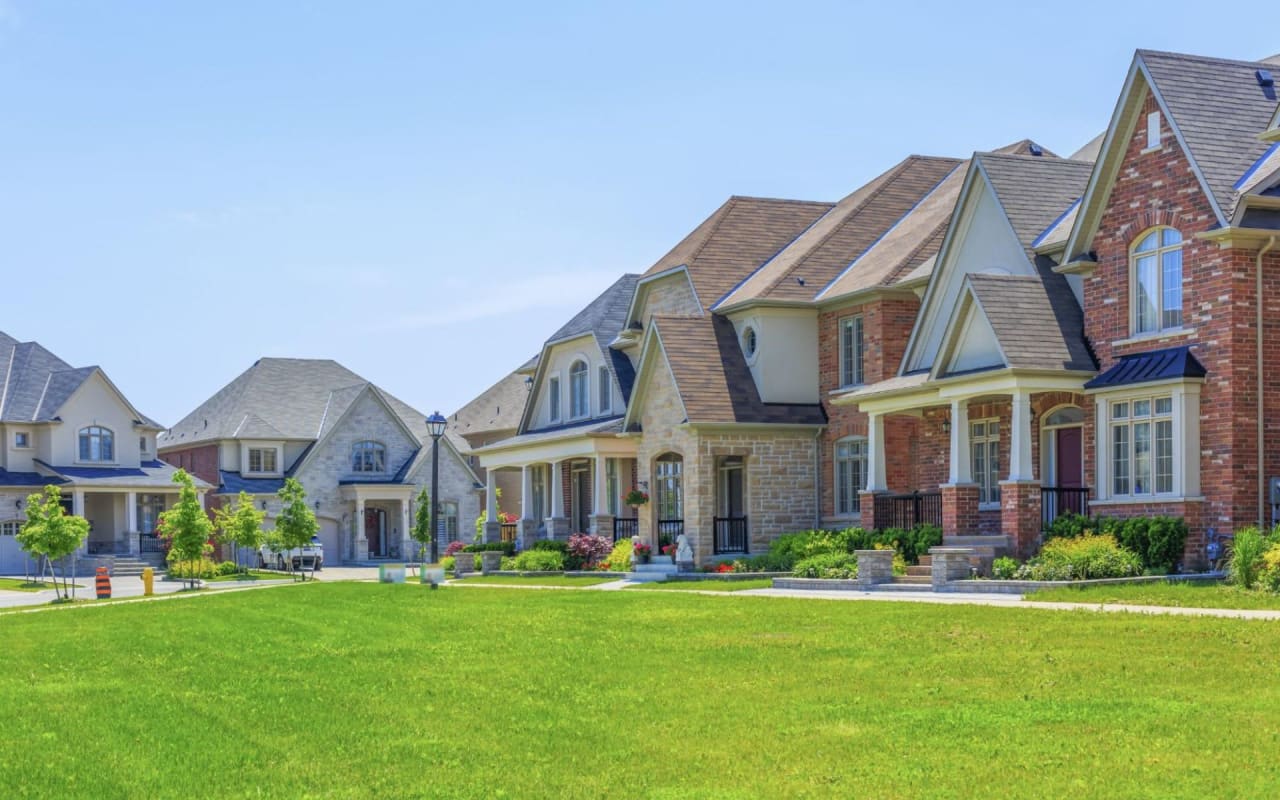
pixel 435 427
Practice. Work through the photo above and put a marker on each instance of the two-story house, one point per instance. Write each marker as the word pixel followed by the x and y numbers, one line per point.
pixel 73 428
pixel 361 454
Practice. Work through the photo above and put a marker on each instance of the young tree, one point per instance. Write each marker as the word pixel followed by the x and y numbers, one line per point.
pixel 241 524
pixel 51 533
pixel 296 524
pixel 421 531
pixel 188 526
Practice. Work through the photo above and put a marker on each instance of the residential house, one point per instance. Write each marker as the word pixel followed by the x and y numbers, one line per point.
pixel 494 415
pixel 72 427
pixel 361 454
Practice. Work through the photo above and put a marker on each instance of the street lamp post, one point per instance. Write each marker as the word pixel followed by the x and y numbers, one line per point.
pixel 435 427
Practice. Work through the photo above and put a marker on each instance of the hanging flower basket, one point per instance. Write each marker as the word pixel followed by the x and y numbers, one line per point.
pixel 636 498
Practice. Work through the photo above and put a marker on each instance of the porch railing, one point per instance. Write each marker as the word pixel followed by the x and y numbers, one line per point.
pixel 509 530
pixel 906 511
pixel 1058 500
pixel 669 529
pixel 730 535
pixel 625 527
pixel 149 543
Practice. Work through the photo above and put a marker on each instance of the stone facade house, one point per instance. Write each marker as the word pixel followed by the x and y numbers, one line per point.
pixel 73 428
pixel 494 415
pixel 361 454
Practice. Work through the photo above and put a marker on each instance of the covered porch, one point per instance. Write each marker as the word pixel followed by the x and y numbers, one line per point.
pixel 378 523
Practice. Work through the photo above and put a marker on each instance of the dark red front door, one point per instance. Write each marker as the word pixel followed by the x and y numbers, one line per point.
pixel 373 530
pixel 1070 468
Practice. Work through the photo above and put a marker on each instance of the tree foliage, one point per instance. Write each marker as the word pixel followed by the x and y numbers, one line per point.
pixel 297 523
pixel 421 531
pixel 240 524
pixel 187 525
pixel 51 533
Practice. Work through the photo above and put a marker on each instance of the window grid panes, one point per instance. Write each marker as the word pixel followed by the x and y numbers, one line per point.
pixel 21 440
pixel 553 399
pixel 1157 281
pixel 10 528
pixel 851 351
pixel 368 457
pixel 605 388
pixel 262 459
pixel 984 447
pixel 579 390
pixel 669 500
pixel 851 474
pixel 1142 446
pixel 150 506
pixel 97 444
pixel 447 524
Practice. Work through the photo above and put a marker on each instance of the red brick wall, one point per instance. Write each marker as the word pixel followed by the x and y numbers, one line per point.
pixel 201 461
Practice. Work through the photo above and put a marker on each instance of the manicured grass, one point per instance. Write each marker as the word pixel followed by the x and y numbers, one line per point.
pixel 372 690
pixel 21 585
pixel 708 586
pixel 254 575
pixel 1164 593
pixel 540 580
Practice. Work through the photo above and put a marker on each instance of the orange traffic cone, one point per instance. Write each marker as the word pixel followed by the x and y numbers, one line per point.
pixel 104 584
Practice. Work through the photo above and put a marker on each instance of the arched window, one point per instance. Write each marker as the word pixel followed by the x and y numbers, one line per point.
pixel 97 444
pixel 668 480
pixel 851 473
pixel 368 457
pixel 1156 262
pixel 750 342
pixel 579 390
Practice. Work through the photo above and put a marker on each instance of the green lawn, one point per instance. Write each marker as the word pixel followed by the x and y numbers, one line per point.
pixel 20 585
pixel 360 690
pixel 708 586
pixel 1186 595
pixel 541 580
pixel 254 575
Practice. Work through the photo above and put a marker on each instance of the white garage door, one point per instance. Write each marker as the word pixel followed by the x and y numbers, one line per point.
pixel 329 538
pixel 12 559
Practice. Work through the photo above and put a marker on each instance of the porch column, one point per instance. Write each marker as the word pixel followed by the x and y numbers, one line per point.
pixel 492 523
pixel 528 523
pixel 131 522
pixel 558 524
pixel 1020 501
pixel 77 502
pixel 601 519
pixel 877 480
pixel 960 493
pixel 361 549
pixel 961 471
pixel 406 527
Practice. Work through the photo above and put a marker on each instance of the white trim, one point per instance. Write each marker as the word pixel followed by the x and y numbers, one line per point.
pixel 1144 338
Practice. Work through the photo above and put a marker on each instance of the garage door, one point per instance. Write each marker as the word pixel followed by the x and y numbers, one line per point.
pixel 329 538
pixel 12 559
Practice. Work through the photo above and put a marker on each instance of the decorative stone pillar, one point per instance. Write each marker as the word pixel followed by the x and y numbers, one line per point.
pixel 1020 517
pixel 959 509
pixel 361 543
pixel 528 533
pixel 949 564
pixel 867 516
pixel 132 545
pixel 490 562
pixel 874 567
pixel 464 563
pixel 492 531
pixel 558 528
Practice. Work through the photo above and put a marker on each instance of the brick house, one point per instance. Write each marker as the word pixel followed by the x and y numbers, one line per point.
pixel 362 455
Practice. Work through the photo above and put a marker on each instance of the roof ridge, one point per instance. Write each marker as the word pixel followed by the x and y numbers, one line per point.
pixel 735 197
pixel 1193 57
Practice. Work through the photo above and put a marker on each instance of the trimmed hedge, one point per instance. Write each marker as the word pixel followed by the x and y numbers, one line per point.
pixel 788 550
pixel 506 548
pixel 1158 541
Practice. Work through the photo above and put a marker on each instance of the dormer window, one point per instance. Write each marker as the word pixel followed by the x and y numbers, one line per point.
pixel 579 390
pixel 1153 131
pixel 22 439
pixel 262 459
pixel 553 399
pixel 1157 281
pixel 97 444
pixel 368 457
pixel 749 342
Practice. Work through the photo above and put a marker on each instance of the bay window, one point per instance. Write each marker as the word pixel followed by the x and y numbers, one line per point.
pixel 1142 446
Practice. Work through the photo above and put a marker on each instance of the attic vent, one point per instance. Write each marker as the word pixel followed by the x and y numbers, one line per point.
pixel 1265 77
pixel 800 281
pixel 1035 149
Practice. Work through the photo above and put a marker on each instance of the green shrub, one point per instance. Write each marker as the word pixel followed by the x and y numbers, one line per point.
pixel 204 569
pixel 1269 576
pixel 506 548
pixel 226 568
pixel 540 561
pixel 551 544
pixel 1081 558
pixel 1247 554
pixel 508 563
pixel 1070 526
pixel 1004 568
pixel 1158 541
pixel 448 563
pixel 827 565
pixel 619 559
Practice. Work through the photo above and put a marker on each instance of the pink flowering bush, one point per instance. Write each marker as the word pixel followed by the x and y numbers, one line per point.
pixel 454 548
pixel 589 550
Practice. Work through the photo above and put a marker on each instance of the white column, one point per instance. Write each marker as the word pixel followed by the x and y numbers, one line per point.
pixel 131 512
pixel 491 494
pixel 77 502
pixel 1020 438
pixel 960 469
pixel 877 480
pixel 200 497
pixel 599 495
pixel 556 490
pixel 526 491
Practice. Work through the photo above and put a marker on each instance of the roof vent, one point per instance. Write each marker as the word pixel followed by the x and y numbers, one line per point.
pixel 1035 149
pixel 1265 77
pixel 800 281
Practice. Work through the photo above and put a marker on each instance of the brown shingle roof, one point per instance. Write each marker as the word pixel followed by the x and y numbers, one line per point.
pixel 825 249
pixel 1034 192
pixel 741 235
pixel 1036 319
pixel 713 378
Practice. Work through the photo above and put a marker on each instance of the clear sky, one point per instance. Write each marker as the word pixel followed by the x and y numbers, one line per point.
pixel 425 191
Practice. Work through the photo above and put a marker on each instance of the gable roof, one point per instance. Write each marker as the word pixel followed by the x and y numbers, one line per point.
pixel 34 383
pixel 735 240
pixel 1034 191
pixel 1036 320
pixel 604 318
pixel 713 378
pixel 825 249
pixel 497 408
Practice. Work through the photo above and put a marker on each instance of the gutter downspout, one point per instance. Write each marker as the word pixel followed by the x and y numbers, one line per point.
pixel 1262 475
pixel 817 478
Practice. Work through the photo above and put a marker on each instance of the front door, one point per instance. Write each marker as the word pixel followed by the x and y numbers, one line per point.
pixel 375 530
pixel 580 515
pixel 1070 458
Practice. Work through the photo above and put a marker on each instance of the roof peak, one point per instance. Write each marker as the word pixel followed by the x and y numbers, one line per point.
pixel 1203 59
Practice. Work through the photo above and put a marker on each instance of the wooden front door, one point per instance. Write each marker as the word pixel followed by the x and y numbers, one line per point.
pixel 1070 457
pixel 373 530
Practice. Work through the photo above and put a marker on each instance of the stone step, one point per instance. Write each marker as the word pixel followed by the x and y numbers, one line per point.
pixel 926 561
pixel 655 569
pixel 924 570
pixel 647 577
pixel 902 587
pixel 996 542
pixel 922 580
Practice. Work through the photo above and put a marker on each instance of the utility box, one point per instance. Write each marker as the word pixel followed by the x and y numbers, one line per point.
pixel 1274 485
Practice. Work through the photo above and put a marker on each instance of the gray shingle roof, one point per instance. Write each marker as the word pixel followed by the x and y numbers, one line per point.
pixel 1036 319
pixel 496 409
pixel 34 383
pixel 604 318
pixel 1034 190
pixel 1219 108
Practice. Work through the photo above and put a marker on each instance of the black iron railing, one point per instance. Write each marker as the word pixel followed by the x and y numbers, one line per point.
pixel 906 511
pixel 509 530
pixel 1058 500
pixel 730 535
pixel 669 529
pixel 149 543
pixel 625 528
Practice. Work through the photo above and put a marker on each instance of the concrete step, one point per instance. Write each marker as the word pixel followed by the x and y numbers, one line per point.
pixel 902 587
pixel 926 561
pixel 923 570
pixel 647 577
pixel 921 580
pixel 655 569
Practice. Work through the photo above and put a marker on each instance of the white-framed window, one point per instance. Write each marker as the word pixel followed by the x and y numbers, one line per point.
pixel 150 507
pixel 1156 294
pixel 750 342
pixel 447 524
pixel 604 383
pixel 668 474
pixel 10 527
pixel 142 444
pixel 368 456
pixel 538 483
pixel 1153 130
pixel 262 459
pixel 1141 446
pixel 851 351
pixel 850 473
pixel 97 444
pixel 579 390
pixel 22 439
pixel 611 484
pixel 984 449
pixel 553 398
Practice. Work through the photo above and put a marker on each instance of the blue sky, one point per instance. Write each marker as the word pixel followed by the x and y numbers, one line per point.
pixel 425 193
